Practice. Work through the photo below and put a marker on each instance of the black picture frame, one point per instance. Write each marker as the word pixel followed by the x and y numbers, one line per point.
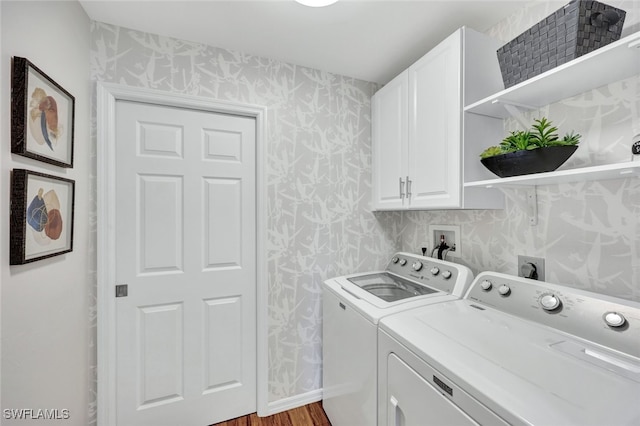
pixel 42 211
pixel 42 116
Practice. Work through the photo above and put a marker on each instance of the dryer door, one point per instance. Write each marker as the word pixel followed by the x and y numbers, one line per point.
pixel 412 401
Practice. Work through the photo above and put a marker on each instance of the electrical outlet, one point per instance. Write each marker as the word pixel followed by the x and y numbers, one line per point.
pixel 525 268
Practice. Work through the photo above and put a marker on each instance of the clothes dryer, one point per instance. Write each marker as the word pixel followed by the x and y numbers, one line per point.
pixel 512 351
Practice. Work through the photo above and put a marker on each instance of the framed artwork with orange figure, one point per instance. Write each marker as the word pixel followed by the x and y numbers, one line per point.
pixel 42 116
pixel 41 224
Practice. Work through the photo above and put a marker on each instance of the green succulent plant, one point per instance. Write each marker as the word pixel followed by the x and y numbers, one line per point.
pixel 570 139
pixel 544 133
pixel 541 134
pixel 491 151
pixel 518 141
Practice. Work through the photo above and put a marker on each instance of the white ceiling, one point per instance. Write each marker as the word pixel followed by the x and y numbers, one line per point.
pixel 372 40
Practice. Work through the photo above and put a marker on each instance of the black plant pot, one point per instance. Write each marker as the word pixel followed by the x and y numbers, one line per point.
pixel 525 162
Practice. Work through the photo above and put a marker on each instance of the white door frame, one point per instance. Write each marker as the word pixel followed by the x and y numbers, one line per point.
pixel 107 95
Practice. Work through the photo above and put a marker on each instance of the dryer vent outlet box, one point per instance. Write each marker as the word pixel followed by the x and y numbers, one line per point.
pixel 451 236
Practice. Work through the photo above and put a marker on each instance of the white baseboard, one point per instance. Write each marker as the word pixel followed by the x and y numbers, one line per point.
pixel 292 402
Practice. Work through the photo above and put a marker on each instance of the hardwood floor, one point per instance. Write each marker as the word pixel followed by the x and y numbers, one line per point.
pixel 308 415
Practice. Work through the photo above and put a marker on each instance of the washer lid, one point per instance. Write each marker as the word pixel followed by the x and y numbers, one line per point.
pixel 526 373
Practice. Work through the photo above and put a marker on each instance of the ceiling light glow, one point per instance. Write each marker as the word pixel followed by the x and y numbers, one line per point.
pixel 316 3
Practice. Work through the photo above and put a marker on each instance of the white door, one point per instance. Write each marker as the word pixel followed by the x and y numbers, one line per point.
pixel 389 143
pixel 185 241
pixel 435 126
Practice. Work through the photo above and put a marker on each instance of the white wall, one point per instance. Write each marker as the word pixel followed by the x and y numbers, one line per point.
pixel 44 304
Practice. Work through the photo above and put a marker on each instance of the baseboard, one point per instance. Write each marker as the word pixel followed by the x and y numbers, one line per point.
pixel 292 402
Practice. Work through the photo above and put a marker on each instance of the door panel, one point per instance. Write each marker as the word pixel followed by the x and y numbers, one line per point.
pixel 223 227
pixel 160 251
pixel 185 245
pixel 161 349
pixel 223 328
pixel 160 140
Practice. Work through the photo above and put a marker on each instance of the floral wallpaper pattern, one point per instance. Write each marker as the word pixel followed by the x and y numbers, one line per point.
pixel 319 184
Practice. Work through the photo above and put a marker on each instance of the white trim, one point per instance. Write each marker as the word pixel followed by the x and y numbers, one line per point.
pixel 291 402
pixel 107 95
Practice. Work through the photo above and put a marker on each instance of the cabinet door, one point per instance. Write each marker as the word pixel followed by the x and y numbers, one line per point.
pixel 435 126
pixel 389 144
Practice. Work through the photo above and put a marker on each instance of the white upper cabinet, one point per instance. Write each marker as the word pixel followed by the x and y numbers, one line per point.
pixel 418 150
pixel 434 127
pixel 390 137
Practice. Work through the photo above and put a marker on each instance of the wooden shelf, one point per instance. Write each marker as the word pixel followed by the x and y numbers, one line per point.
pixel 614 62
pixel 605 172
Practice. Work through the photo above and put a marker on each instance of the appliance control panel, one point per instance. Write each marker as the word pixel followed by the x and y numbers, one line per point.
pixel 601 319
pixel 439 274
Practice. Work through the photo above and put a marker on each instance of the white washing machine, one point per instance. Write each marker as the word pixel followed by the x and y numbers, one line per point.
pixel 512 351
pixel 352 307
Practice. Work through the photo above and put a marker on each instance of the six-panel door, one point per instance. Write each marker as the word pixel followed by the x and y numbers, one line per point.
pixel 185 241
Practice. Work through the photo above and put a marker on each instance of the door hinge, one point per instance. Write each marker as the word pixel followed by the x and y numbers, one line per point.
pixel 122 290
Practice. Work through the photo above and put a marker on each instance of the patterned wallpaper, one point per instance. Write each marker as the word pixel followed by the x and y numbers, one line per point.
pixel 318 175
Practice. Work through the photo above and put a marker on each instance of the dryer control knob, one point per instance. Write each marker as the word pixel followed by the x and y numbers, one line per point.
pixel 403 262
pixel 446 275
pixel 395 260
pixel 504 290
pixel 486 285
pixel 435 270
pixel 417 265
pixel 550 302
pixel 614 319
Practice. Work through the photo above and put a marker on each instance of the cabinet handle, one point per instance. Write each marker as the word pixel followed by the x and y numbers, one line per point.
pixel 401 189
pixel 396 411
pixel 408 187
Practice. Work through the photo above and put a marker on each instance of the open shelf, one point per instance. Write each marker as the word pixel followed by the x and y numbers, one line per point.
pixel 614 62
pixel 605 172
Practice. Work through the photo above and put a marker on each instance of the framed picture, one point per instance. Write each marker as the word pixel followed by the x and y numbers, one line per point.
pixel 41 116
pixel 41 216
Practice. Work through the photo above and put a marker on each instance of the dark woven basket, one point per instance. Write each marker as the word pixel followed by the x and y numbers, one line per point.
pixel 576 29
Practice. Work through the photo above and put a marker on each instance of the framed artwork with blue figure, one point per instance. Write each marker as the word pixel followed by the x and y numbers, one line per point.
pixel 42 116
pixel 41 224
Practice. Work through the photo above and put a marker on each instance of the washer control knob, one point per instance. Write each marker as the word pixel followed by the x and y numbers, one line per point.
pixel 614 319
pixel 504 290
pixel 486 285
pixel 435 270
pixel 417 265
pixel 395 260
pixel 446 275
pixel 403 262
pixel 550 302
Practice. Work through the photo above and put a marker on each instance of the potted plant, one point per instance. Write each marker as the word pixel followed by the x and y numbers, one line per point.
pixel 536 150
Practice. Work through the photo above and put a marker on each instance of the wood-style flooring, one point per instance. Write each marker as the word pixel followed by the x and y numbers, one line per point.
pixel 307 415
